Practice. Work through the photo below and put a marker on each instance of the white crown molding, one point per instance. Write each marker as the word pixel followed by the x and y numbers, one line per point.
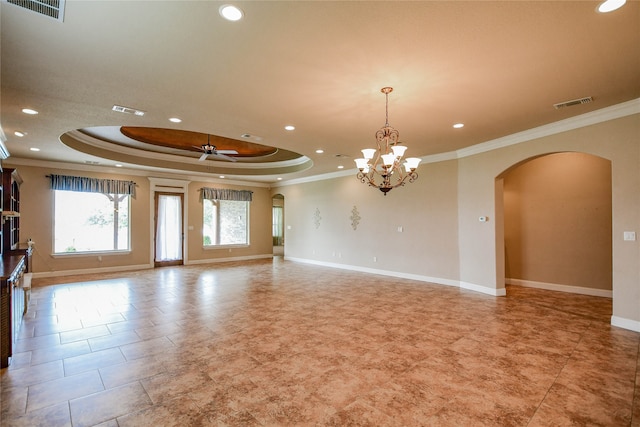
pixel 148 172
pixel 321 177
pixel 605 114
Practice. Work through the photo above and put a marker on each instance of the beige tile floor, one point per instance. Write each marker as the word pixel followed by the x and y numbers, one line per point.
pixel 280 343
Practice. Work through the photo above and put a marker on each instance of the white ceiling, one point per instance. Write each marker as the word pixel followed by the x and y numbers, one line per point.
pixel 496 66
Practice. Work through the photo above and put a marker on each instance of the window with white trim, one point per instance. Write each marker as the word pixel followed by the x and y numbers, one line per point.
pixel 91 214
pixel 225 217
pixel 90 222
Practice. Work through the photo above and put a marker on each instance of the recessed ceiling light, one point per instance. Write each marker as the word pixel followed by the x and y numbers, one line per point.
pixel 20 134
pixel 279 179
pixel 222 176
pixel 319 151
pixel 340 167
pixel 610 5
pixel 34 149
pixel 118 165
pixel 290 127
pixel 29 111
pixel 458 125
pixel 175 120
pixel 230 12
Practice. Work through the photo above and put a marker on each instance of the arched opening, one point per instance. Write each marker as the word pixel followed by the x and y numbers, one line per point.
pixel 277 220
pixel 556 226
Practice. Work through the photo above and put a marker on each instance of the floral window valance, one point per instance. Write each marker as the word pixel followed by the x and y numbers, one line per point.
pixel 92 185
pixel 226 194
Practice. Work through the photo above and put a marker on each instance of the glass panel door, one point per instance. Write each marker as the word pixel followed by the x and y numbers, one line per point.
pixel 169 230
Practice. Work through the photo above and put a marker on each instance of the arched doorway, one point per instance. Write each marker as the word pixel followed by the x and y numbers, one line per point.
pixel 277 220
pixel 557 221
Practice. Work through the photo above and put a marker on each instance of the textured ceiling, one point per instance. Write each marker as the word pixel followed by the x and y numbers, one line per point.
pixel 498 67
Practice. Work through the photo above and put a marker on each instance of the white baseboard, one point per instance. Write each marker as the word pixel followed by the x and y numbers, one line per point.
pixel 621 322
pixel 116 269
pixel 216 260
pixel 484 289
pixel 92 270
pixel 435 280
pixel 561 288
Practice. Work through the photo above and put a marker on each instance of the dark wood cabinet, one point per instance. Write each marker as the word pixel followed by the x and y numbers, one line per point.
pixel 11 182
pixel 12 300
pixel 15 260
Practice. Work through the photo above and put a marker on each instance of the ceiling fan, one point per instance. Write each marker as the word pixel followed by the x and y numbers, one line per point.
pixel 211 150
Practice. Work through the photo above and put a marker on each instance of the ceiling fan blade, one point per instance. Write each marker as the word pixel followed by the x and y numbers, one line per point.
pixel 223 157
pixel 226 152
pixel 203 157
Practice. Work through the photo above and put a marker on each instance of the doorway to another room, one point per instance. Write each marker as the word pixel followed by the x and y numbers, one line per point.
pixel 169 237
pixel 278 224
pixel 557 223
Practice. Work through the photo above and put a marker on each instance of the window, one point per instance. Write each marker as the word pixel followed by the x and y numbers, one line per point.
pixel 277 226
pixel 225 222
pixel 90 222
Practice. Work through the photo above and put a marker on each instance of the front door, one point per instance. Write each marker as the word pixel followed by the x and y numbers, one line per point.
pixel 169 229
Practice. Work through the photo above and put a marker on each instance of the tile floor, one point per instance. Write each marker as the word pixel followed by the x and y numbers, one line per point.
pixel 281 343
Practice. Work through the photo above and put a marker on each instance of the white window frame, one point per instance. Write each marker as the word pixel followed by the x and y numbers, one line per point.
pixel 228 245
pixel 115 199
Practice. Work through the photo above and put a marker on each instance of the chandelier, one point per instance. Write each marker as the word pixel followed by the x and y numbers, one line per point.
pixel 382 167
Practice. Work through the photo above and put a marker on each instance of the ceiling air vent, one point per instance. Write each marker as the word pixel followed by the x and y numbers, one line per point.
pixel 50 8
pixel 127 110
pixel 573 102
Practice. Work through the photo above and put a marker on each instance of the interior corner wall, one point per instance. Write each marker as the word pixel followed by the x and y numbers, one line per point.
pixel 616 140
pixel 344 223
pixel 442 235
pixel 557 223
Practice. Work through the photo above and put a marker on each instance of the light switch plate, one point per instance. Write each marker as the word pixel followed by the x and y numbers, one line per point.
pixel 630 235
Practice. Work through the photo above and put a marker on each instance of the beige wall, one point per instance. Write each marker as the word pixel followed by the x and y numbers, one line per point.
pixel 557 211
pixel 443 237
pixel 616 140
pixel 36 222
pixel 427 245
